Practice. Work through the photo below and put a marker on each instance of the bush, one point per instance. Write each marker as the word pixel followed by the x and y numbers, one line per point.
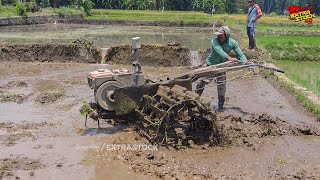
pixel 273 14
pixel 84 5
pixel 21 9
pixel 87 6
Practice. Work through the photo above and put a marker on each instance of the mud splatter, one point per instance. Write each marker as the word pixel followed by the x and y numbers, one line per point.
pixel 239 130
pixel 68 52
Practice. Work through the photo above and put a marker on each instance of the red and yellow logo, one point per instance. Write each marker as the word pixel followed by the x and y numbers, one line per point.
pixel 297 13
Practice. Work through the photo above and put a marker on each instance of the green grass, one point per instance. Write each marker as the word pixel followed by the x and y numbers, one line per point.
pixel 294 27
pixel 299 48
pixel 271 21
pixel 306 102
pixel 265 40
pixel 150 15
pixel 305 74
pixel 8 11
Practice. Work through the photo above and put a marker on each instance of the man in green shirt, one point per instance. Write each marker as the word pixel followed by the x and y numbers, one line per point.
pixel 221 46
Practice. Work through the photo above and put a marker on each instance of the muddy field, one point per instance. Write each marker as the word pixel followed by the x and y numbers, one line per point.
pixel 267 135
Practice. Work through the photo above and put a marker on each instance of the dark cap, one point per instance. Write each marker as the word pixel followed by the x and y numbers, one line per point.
pixel 220 31
pixel 250 0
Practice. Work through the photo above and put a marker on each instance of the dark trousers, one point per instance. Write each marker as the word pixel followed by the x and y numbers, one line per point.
pixel 250 33
pixel 221 87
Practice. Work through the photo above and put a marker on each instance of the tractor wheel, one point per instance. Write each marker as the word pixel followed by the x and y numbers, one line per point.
pixel 104 95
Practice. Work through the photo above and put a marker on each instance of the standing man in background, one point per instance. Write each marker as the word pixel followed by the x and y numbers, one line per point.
pixel 254 13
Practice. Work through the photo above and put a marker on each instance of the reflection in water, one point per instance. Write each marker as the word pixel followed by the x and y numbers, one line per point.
pixel 105 35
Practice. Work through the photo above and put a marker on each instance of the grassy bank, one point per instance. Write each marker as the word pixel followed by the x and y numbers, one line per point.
pixel 183 15
pixel 9 11
pixel 302 98
pixel 298 56
pixel 298 48
pixel 150 15
pixel 305 74
pixel 286 53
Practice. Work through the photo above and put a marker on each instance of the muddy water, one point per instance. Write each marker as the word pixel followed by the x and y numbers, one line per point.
pixel 54 135
pixel 103 35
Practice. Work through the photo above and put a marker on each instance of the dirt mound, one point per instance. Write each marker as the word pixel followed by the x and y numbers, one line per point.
pixel 69 52
pixel 247 131
pixel 85 52
pixel 238 130
pixel 152 55
pixel 140 22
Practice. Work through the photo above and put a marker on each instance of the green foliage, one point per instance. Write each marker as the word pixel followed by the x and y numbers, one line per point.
pixel 152 15
pixel 219 6
pixel 298 48
pixel 209 6
pixel 11 94
pixel 273 14
pixel 305 74
pixel 86 6
pixel 21 9
pixel 225 18
pixel 45 3
pixel 29 4
pixel 86 110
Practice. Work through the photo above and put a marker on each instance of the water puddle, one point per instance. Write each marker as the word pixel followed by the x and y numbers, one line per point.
pixel 28 112
pixel 102 36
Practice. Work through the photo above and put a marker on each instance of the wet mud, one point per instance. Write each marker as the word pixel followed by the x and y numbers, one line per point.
pixel 151 55
pixel 85 52
pixel 13 92
pixel 8 165
pixel 266 136
pixel 237 130
pixel 13 132
pixel 67 52
pixel 49 96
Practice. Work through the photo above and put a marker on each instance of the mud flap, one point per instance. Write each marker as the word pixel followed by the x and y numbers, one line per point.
pixel 129 98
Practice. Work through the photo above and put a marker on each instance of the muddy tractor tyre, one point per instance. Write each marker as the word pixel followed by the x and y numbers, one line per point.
pixel 104 95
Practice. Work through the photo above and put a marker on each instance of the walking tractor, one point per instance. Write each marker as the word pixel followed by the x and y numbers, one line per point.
pixel 165 110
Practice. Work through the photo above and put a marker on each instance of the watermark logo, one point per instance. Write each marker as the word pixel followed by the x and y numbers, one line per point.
pixel 298 13
pixel 118 147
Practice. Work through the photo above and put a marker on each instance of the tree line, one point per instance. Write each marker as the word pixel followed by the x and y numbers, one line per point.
pixel 209 6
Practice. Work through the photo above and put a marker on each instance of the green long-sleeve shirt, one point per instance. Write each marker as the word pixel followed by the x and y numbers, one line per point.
pixel 219 53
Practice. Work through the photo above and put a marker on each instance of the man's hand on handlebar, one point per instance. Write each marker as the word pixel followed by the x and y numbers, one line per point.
pixel 232 59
